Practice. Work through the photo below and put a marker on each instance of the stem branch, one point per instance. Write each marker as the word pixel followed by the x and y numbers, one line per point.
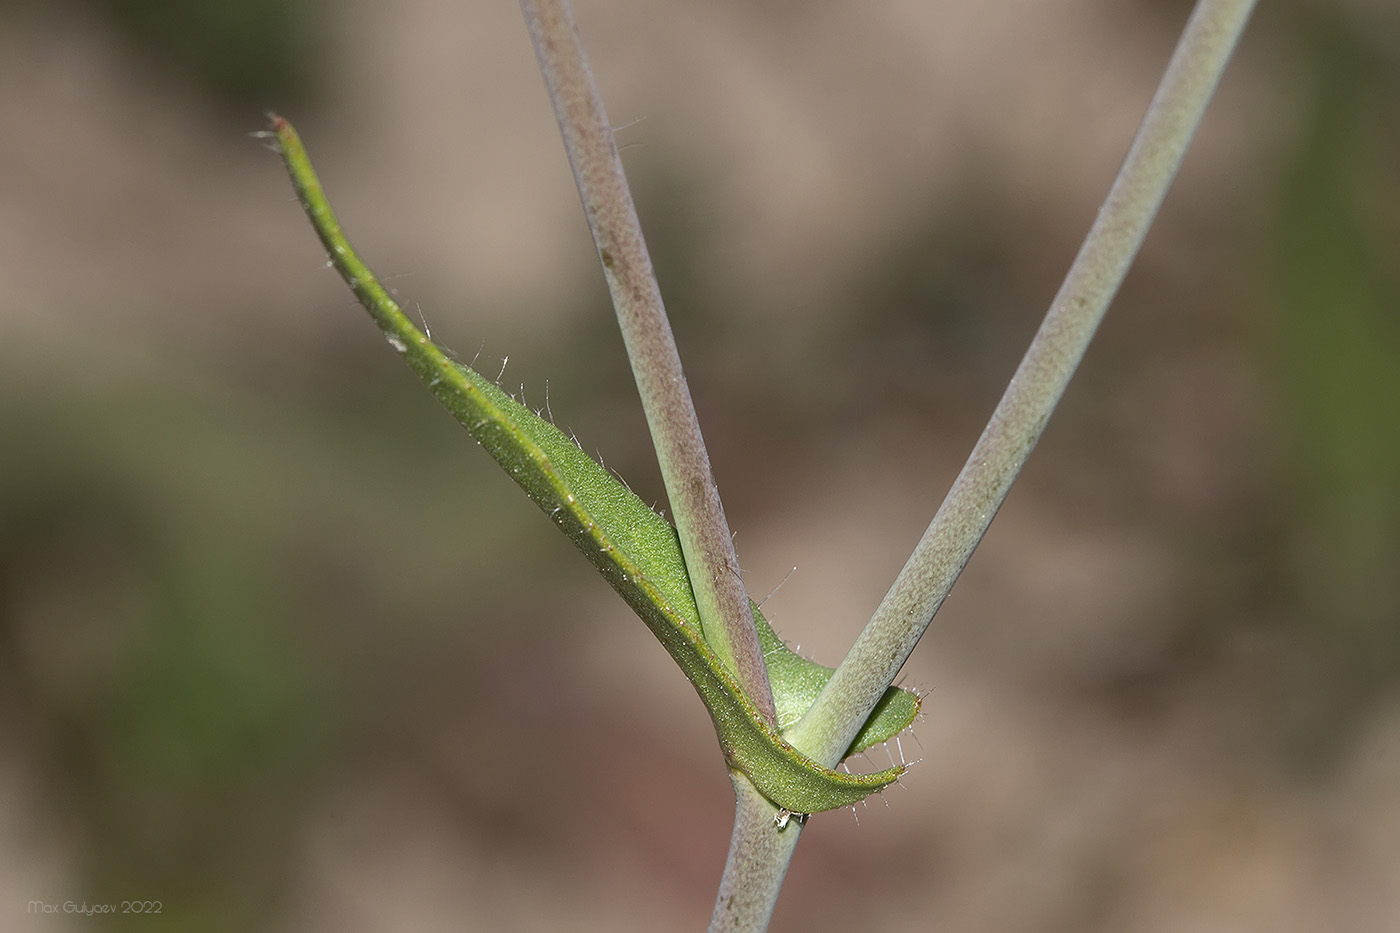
pixel 706 544
pixel 1152 162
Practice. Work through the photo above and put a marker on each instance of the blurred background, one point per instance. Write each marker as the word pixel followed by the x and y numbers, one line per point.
pixel 283 650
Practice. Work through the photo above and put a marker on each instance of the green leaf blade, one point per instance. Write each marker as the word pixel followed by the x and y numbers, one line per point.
pixel 635 549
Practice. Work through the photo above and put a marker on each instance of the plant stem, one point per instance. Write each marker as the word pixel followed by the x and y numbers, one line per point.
pixel 1142 181
pixel 759 855
pixel 706 544
pixel 903 616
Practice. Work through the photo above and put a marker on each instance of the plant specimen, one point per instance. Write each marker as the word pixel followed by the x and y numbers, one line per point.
pixel 784 723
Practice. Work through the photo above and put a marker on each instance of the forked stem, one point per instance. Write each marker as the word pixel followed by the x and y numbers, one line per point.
pixel 706 544
pixel 903 616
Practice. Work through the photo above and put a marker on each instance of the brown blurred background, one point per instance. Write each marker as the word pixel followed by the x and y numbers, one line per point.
pixel 281 649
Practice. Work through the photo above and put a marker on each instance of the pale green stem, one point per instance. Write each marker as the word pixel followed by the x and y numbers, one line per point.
pixel 759 855
pixel 902 617
pixel 706 544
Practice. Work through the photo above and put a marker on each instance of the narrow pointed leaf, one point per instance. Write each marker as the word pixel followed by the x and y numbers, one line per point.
pixel 635 549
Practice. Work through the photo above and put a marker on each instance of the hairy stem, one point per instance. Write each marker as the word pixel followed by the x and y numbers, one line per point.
pixel 902 617
pixel 685 465
pixel 759 854
pixel 1015 426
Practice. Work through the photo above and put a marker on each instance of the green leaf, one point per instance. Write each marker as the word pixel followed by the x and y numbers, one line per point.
pixel 797 681
pixel 634 549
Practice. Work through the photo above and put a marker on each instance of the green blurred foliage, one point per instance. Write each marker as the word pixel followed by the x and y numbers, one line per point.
pixel 1332 345
pixel 208 592
pixel 245 53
